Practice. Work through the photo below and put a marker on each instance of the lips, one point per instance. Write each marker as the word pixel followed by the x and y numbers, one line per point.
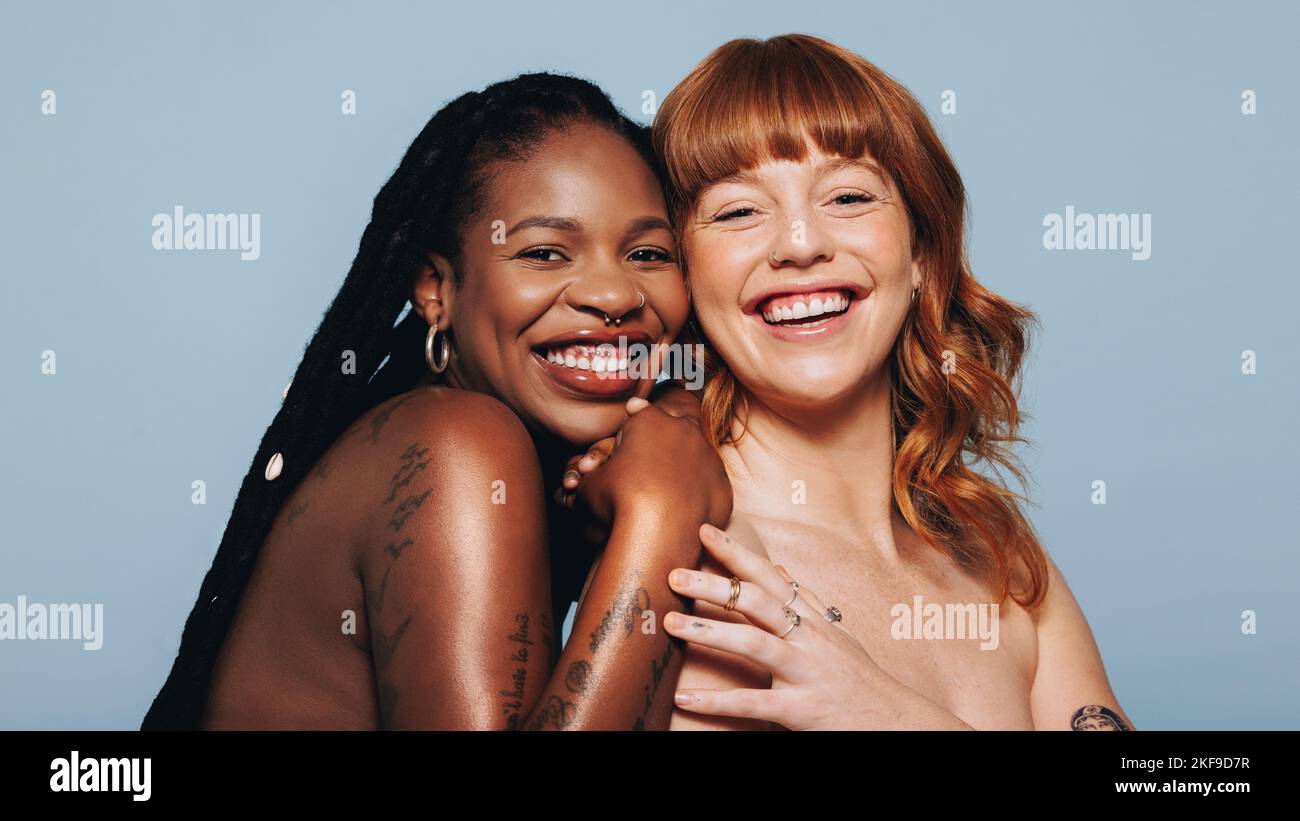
pixel 592 364
pixel 812 313
pixel 805 308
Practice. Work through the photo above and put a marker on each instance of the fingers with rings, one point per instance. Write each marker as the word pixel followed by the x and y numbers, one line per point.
pixel 746 598
pixel 745 640
pixel 752 567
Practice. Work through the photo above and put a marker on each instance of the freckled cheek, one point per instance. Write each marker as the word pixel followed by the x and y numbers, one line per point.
pixel 717 276
pixel 887 258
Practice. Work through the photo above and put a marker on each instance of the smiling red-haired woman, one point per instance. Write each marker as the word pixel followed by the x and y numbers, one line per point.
pixel 858 373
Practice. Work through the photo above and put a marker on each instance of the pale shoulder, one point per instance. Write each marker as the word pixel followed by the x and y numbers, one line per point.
pixel 1069 676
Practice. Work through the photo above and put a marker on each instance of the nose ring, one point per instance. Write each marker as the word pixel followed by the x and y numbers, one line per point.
pixel 619 320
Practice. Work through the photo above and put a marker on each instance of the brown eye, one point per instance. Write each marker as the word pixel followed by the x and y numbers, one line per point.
pixel 541 255
pixel 650 255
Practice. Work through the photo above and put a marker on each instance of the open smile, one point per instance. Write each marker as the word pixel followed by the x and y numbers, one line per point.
pixel 591 365
pixel 807 316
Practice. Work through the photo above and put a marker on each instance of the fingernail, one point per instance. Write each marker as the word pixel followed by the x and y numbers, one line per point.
pixel 684 698
pixel 679 578
pixel 674 621
pixel 571 477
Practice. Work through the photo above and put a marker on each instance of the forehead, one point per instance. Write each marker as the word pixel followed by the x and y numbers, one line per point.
pixel 582 169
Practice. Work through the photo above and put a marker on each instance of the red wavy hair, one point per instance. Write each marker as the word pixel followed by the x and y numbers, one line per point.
pixel 755 100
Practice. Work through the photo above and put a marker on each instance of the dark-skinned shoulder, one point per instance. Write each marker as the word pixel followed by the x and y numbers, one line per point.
pixel 452 557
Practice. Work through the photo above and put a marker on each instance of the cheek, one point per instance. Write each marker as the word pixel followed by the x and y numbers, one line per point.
pixel 667 297
pixel 718 271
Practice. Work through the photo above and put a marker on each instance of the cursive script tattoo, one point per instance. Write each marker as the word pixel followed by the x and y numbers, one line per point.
pixel 631 601
pixel 515 696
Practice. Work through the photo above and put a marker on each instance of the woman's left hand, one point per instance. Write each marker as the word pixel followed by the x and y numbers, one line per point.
pixel 822 678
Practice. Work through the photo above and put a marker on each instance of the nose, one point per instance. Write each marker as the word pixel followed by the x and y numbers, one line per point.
pixel 609 296
pixel 803 244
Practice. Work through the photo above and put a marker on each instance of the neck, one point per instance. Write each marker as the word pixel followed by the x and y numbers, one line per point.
pixel 842 452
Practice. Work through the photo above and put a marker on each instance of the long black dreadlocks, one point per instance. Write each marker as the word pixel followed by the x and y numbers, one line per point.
pixel 437 189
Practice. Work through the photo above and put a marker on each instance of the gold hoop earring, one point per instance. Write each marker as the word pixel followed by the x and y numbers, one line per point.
pixel 438 363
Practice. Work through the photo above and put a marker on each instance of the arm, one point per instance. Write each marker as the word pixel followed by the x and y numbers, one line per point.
pixel 458 588
pixel 655 487
pixel 1070 690
pixel 455 567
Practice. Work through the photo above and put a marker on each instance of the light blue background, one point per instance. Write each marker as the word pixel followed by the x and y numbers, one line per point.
pixel 171 364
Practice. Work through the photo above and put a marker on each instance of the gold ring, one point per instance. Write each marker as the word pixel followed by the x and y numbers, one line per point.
pixel 735 594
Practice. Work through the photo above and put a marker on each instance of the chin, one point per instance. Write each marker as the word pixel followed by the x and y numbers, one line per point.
pixel 581 426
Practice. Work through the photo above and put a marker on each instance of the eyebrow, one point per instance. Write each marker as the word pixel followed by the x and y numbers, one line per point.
pixel 640 225
pixel 557 223
pixel 840 163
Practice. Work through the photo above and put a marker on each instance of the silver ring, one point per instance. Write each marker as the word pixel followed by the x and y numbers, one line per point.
pixel 795 587
pixel 795 621
pixel 642 305
pixel 833 614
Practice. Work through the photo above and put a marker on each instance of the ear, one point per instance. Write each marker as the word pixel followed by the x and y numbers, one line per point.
pixel 433 291
pixel 916 273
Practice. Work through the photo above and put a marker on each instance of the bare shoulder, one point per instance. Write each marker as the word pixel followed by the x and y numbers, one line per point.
pixel 414 454
pixel 1070 681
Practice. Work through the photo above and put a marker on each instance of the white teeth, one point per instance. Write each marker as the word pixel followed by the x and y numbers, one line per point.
pixel 798 309
pixel 603 360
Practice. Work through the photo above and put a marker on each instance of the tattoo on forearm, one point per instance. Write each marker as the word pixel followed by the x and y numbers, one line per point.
pixel 630 602
pixel 577 676
pixel 1096 717
pixel 515 696
pixel 556 712
pixel 658 667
